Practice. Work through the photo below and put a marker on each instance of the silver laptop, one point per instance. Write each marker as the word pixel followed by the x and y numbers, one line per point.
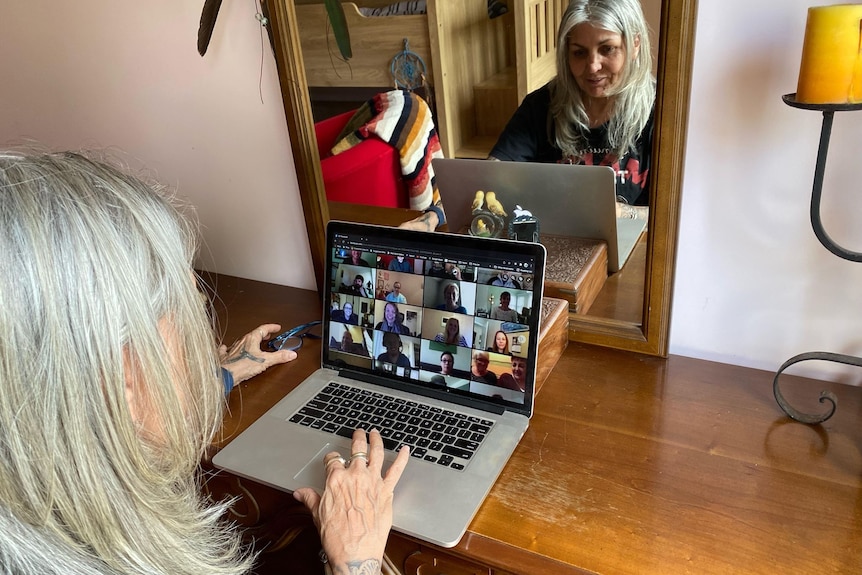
pixel 568 200
pixel 417 363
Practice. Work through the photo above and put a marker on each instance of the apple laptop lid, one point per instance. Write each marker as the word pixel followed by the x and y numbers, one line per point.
pixel 568 200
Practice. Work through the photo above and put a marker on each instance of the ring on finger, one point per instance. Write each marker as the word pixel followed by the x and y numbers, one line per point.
pixel 359 455
pixel 335 459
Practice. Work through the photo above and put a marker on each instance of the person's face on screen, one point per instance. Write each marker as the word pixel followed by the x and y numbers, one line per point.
pixel 501 340
pixel 505 298
pixel 392 343
pixel 397 288
pixel 358 281
pixel 452 327
pixel 346 340
pixel 480 363
pixel 446 363
pixel 348 310
pixel 450 296
pixel 389 314
pixel 519 370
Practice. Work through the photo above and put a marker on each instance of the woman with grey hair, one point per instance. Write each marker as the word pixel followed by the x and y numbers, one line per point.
pixel 110 390
pixel 599 108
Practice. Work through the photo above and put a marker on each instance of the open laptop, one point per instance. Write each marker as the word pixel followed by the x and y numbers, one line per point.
pixel 568 200
pixel 396 354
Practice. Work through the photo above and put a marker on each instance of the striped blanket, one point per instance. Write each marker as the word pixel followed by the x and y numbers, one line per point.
pixel 403 120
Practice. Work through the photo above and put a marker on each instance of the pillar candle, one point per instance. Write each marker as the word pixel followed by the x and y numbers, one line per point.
pixel 831 69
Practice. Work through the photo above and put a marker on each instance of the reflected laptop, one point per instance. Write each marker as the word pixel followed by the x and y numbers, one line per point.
pixel 389 365
pixel 568 200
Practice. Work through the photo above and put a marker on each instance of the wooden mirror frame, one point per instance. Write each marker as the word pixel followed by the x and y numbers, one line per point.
pixel 675 56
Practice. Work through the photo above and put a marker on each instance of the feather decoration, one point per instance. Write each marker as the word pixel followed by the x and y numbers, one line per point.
pixel 335 11
pixel 207 25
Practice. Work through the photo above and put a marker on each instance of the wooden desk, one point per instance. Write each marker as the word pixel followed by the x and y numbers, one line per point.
pixel 632 464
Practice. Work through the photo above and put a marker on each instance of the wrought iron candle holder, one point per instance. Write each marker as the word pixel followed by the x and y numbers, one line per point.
pixel 828 111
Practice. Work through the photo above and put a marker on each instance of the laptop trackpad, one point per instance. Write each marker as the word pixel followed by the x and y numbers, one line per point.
pixel 313 474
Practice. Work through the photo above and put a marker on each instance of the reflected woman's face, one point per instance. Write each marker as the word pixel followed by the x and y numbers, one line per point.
pixel 596 59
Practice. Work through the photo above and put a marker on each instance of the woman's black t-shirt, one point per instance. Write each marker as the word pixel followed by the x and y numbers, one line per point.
pixel 529 137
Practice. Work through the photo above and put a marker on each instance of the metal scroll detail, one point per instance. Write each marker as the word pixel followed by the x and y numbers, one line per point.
pixel 828 111
pixel 825 395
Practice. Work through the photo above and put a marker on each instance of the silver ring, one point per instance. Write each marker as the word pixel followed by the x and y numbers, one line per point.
pixel 358 455
pixel 333 459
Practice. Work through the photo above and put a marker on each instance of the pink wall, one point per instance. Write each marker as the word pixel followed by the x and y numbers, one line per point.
pixel 95 73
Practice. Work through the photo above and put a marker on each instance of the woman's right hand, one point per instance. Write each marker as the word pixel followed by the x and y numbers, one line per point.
pixel 354 513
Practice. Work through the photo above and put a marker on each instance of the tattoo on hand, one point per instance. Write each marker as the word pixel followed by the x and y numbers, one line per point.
pixel 245 355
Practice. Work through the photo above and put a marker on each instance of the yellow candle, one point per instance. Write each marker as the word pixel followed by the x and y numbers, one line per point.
pixel 831 69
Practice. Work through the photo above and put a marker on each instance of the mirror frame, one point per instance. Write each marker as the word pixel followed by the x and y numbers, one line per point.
pixel 675 57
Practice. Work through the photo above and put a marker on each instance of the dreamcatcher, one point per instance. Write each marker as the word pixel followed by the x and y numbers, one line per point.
pixel 409 72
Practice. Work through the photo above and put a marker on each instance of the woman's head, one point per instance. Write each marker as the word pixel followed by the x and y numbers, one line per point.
pixel 603 53
pixel 612 32
pixel 453 330
pixel 390 313
pixel 501 342
pixel 451 294
pixel 107 358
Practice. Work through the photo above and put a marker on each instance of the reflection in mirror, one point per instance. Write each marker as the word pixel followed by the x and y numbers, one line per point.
pixel 632 311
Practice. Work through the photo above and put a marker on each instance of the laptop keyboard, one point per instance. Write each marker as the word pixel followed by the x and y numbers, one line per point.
pixel 437 435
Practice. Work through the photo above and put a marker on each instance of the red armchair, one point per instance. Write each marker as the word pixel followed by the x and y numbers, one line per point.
pixel 369 173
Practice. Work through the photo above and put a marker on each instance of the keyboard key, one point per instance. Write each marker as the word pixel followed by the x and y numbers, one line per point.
pixel 310 411
pixel 463 443
pixel 480 428
pixel 457 452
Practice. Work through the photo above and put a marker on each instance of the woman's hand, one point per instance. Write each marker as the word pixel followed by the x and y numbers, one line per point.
pixel 427 222
pixel 354 514
pixel 626 211
pixel 245 360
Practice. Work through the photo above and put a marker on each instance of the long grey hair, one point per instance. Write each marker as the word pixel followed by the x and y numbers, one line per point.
pixel 635 92
pixel 108 370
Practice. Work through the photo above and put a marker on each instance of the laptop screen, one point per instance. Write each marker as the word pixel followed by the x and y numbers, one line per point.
pixel 443 314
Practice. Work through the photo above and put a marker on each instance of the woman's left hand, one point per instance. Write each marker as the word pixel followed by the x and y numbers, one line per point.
pixel 244 359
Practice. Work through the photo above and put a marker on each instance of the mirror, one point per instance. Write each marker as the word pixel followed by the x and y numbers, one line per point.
pixel 673 74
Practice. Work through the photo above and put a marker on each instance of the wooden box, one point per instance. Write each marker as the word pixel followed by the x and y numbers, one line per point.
pixel 576 270
pixel 553 336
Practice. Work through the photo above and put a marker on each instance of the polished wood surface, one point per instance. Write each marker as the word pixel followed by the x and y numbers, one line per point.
pixel 632 464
